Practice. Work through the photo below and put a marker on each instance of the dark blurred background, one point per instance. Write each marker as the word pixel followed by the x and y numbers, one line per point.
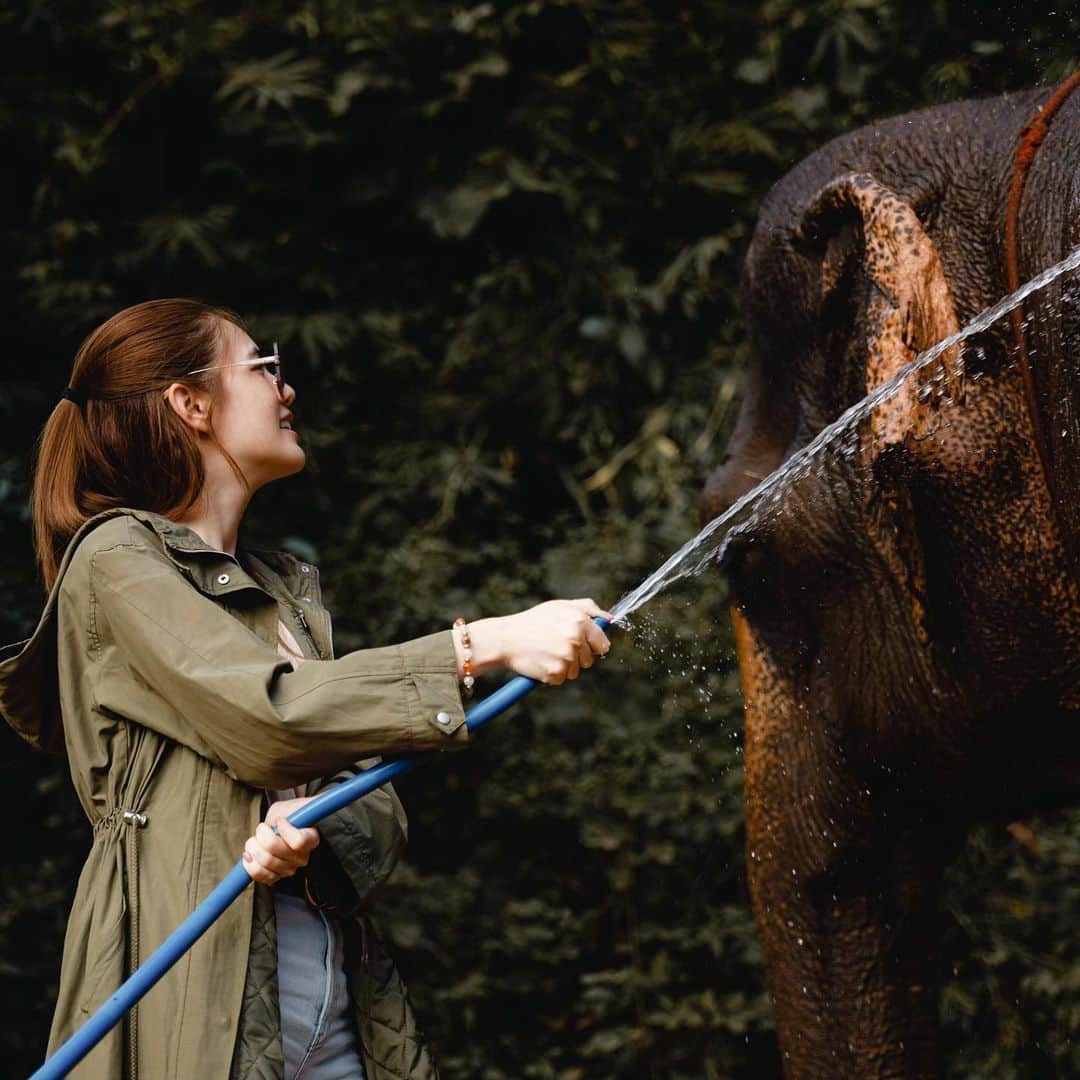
pixel 499 244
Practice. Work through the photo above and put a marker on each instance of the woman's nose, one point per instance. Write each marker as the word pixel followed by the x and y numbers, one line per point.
pixel 288 394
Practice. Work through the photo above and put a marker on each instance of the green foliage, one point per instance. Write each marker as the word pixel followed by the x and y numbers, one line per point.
pixel 499 245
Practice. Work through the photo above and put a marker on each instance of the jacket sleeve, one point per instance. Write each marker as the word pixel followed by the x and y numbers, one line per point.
pixel 361 845
pixel 170 658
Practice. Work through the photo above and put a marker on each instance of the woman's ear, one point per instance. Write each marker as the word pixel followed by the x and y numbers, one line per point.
pixel 191 405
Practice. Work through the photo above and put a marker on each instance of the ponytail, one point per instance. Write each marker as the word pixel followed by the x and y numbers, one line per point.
pixel 59 456
pixel 113 440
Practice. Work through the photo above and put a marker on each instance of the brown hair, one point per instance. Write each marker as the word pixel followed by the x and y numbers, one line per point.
pixel 121 443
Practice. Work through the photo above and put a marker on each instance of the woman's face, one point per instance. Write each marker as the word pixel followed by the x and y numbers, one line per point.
pixel 251 421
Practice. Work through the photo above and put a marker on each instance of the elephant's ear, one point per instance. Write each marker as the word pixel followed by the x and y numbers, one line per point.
pixel 874 247
pixel 906 304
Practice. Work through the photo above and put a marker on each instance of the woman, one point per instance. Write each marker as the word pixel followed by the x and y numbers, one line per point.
pixel 190 682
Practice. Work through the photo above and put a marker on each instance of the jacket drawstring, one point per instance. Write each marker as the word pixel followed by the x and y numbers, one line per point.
pixel 129 860
pixel 137 820
pixel 118 813
pixel 131 850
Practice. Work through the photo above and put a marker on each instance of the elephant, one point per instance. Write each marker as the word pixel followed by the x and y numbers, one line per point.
pixel 907 614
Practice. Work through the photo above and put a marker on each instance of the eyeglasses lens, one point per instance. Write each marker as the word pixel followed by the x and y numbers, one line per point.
pixel 279 377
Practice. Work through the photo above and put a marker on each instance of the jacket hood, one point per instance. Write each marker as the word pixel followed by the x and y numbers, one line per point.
pixel 29 692
pixel 29 684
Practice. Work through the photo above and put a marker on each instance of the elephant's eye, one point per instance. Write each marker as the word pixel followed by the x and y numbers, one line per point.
pixel 984 353
pixel 743 562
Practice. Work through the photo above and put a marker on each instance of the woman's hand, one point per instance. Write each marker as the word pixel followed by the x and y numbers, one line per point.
pixel 551 642
pixel 268 857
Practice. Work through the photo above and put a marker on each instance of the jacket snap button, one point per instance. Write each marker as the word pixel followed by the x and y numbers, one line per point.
pixel 305 569
pixel 223 579
pixel 442 718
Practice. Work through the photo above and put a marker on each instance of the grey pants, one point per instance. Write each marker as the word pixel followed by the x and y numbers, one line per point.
pixel 317 1031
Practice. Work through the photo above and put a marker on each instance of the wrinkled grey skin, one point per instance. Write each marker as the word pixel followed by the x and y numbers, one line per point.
pixel 908 625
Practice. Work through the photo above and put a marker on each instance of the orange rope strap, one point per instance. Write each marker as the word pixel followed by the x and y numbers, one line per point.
pixel 1030 140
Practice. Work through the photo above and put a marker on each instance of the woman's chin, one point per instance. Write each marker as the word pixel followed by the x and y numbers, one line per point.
pixel 299 460
pixel 283 466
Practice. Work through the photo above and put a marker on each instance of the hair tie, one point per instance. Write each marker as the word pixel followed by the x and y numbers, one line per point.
pixel 77 396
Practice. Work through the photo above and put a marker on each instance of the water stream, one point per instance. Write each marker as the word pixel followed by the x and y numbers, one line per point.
pixel 701 550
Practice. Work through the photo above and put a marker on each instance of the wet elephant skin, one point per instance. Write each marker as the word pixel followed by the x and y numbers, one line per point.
pixel 908 620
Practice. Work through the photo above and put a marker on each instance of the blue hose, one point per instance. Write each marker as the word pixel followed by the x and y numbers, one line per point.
pixel 333 798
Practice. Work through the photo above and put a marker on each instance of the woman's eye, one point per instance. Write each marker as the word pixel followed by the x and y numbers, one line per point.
pixel 271 368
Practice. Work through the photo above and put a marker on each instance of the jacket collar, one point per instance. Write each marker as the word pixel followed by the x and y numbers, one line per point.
pixel 213 572
pixel 217 573
pixel 252 577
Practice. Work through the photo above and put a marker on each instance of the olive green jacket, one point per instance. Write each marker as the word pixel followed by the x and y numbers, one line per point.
pixel 154 667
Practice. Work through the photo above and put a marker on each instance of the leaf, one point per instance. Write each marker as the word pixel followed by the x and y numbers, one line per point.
pixel 456 212
pixel 754 69
pixel 466 20
pixel 173 233
pixel 491 65
pixel 718 181
pixel 281 80
pixel 359 80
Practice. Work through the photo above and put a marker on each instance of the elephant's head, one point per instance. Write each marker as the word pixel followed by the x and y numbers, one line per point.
pixel 894 553
pixel 837 301
pixel 841 291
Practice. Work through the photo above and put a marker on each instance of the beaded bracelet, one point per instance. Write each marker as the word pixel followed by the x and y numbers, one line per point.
pixel 467 680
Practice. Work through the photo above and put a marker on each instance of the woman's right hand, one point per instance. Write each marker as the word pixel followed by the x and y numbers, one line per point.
pixel 551 642
pixel 270 856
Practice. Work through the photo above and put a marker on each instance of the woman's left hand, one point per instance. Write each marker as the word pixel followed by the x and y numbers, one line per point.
pixel 268 857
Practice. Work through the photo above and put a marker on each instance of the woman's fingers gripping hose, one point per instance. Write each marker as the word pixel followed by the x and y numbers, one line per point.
pixel 279 849
pixel 595 638
pixel 589 639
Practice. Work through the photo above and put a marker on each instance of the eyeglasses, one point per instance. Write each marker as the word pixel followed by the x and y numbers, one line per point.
pixel 270 364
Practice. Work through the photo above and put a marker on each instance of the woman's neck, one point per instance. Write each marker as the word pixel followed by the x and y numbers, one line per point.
pixel 217 513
